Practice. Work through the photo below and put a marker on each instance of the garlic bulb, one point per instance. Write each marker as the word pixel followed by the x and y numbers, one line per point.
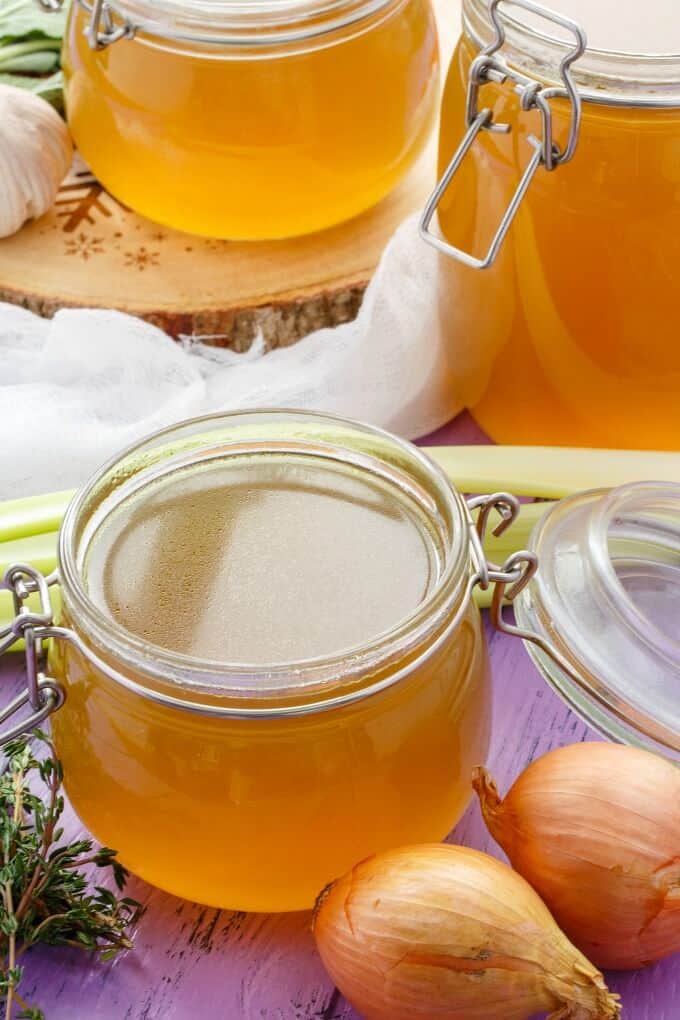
pixel 35 154
pixel 595 829
pixel 443 931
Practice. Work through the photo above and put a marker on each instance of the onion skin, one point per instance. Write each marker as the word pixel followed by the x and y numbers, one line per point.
pixel 438 932
pixel 595 829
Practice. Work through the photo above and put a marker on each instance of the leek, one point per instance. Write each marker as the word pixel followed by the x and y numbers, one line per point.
pixel 550 472
pixel 33 515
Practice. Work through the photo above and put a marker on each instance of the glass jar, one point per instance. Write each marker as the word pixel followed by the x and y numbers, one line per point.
pixel 559 221
pixel 251 786
pixel 245 120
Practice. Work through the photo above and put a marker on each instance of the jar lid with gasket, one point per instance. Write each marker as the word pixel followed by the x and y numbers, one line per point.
pixel 236 22
pixel 601 618
pixel 628 55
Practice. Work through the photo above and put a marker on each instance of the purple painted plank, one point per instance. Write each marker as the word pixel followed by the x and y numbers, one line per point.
pixel 190 960
pixel 462 431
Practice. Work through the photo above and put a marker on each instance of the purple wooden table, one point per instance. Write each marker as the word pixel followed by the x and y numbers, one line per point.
pixel 191 961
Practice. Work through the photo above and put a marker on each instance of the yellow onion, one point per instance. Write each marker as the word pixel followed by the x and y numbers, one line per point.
pixel 444 932
pixel 595 829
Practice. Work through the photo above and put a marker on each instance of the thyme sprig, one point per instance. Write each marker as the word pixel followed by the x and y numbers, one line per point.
pixel 44 896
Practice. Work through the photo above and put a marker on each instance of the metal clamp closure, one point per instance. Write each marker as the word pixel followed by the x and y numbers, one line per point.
pixel 527 564
pixel 533 96
pixel 507 507
pixel 43 694
pixel 101 29
pixel 512 578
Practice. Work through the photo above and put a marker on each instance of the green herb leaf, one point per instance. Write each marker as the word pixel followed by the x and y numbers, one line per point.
pixel 25 58
pixel 25 19
pixel 44 895
pixel 30 45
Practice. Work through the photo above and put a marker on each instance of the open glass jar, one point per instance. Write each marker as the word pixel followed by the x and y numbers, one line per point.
pixel 268 655
pixel 560 180
pixel 268 664
pixel 250 120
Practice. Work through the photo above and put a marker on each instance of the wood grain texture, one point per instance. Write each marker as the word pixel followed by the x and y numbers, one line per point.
pixel 191 961
pixel 90 251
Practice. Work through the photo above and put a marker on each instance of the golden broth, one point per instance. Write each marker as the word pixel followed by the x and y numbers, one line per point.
pixel 248 148
pixel 269 560
pixel 574 327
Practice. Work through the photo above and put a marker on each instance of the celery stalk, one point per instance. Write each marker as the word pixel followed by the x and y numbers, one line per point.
pixel 33 515
pixel 38 550
pixel 525 470
pixel 550 472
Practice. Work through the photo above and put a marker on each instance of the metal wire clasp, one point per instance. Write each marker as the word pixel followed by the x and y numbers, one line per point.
pixel 513 575
pixel 533 96
pixel 525 564
pixel 101 29
pixel 43 694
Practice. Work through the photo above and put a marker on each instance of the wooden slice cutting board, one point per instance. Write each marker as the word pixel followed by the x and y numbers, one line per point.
pixel 89 251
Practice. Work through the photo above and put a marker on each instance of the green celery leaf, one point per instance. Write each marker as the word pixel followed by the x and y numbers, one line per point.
pixel 24 19
pixel 40 62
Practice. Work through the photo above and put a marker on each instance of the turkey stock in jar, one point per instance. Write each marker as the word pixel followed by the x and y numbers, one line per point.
pixel 572 326
pixel 250 120
pixel 270 661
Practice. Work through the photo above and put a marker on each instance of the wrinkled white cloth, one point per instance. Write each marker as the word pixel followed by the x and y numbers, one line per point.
pixel 76 389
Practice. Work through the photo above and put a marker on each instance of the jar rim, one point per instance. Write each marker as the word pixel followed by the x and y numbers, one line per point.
pixel 249 24
pixel 611 77
pixel 612 508
pixel 320 678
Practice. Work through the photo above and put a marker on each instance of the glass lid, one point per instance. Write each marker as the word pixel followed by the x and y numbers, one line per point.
pixel 607 596
pixel 632 54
